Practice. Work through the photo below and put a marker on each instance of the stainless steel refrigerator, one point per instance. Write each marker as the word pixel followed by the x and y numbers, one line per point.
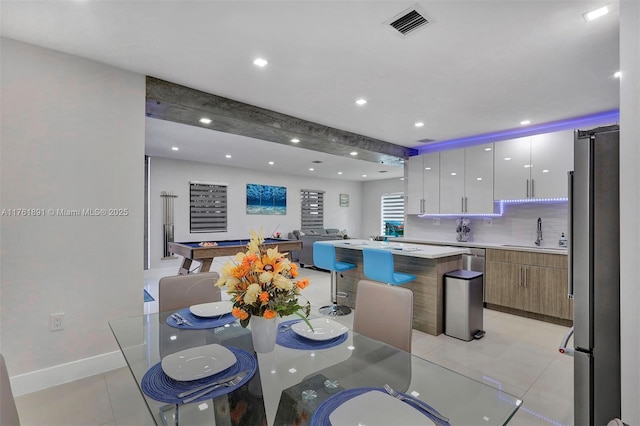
pixel 594 274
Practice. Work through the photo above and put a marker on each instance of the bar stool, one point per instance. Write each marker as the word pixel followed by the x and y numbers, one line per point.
pixel 324 257
pixel 378 266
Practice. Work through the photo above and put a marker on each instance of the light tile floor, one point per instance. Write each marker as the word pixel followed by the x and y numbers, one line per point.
pixel 517 354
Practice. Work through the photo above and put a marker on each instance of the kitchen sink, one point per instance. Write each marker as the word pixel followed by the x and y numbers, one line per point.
pixel 534 247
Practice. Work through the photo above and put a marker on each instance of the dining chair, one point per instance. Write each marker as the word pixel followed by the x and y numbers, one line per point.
pixel 182 291
pixel 8 410
pixel 324 257
pixel 379 266
pixel 385 313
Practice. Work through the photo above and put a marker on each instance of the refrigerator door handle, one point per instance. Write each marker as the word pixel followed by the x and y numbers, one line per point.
pixel 569 238
pixel 527 188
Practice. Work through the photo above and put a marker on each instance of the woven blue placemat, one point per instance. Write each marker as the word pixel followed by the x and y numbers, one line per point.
pixel 321 416
pixel 200 322
pixel 157 385
pixel 289 339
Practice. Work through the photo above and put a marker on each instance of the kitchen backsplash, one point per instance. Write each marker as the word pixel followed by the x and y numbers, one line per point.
pixel 517 225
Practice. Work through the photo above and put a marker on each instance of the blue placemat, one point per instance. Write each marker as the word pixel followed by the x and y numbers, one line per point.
pixel 200 322
pixel 157 385
pixel 289 339
pixel 321 416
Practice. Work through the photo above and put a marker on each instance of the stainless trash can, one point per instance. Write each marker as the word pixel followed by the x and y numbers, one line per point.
pixel 463 305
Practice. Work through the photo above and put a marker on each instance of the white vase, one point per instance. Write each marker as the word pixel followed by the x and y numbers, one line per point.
pixel 264 333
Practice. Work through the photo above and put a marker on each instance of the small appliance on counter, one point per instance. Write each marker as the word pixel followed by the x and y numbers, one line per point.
pixel 462 229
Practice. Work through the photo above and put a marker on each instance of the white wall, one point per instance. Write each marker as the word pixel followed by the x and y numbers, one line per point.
pixel 175 175
pixel 630 208
pixel 517 225
pixel 72 137
pixel 371 208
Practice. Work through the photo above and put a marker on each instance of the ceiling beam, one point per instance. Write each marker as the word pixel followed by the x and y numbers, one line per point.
pixel 180 104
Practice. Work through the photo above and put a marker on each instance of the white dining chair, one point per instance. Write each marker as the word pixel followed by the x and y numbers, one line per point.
pixel 182 291
pixel 384 312
pixel 8 410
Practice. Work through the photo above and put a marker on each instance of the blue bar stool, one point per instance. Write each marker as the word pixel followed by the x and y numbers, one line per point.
pixel 324 257
pixel 378 266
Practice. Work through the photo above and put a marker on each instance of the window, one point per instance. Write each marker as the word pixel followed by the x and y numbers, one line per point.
pixel 312 209
pixel 208 207
pixel 392 214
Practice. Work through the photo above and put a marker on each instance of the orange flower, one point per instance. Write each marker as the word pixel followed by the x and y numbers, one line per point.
pixel 294 270
pixel 240 270
pixel 249 259
pixel 303 283
pixel 239 313
pixel 264 297
pixel 269 314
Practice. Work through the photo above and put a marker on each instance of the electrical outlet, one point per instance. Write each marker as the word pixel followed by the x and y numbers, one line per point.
pixel 436 221
pixel 488 222
pixel 55 322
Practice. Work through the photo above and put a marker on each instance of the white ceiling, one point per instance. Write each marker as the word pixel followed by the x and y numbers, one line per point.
pixel 480 66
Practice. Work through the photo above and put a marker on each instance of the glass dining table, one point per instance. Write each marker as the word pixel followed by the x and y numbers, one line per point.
pixel 289 384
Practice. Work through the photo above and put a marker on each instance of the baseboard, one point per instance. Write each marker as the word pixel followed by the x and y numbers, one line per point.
pixel 65 373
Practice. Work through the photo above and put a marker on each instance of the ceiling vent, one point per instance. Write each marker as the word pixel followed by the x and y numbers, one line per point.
pixel 408 21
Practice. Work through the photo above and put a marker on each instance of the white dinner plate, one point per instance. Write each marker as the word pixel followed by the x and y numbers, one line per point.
pixel 323 329
pixel 196 363
pixel 375 408
pixel 213 309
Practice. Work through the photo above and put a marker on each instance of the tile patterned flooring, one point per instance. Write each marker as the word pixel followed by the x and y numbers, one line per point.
pixel 517 354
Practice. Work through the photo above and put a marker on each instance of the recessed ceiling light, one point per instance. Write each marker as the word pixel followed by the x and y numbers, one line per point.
pixel 205 120
pixel 311 169
pixel 339 173
pixel 364 175
pixel 361 101
pixel 525 122
pixel 295 140
pixel 353 153
pixel 271 163
pixel 418 124
pixel 478 178
pixel 260 62
pixel 545 171
pixel 617 74
pixel 453 173
pixel 427 168
pixel 175 148
pixel 487 149
pixel 595 14
pixel 402 178
pixel 228 156
pixel 401 161
pixel 507 158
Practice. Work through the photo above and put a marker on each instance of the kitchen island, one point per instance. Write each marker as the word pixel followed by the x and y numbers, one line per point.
pixel 427 263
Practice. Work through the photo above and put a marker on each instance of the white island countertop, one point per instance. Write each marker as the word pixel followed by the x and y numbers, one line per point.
pixel 513 247
pixel 404 249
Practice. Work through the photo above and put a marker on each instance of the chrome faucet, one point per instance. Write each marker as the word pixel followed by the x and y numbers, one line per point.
pixel 539 239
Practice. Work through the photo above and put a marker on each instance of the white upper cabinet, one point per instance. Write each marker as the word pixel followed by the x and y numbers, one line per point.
pixel 551 158
pixel 423 186
pixel 533 167
pixel 466 180
pixel 478 186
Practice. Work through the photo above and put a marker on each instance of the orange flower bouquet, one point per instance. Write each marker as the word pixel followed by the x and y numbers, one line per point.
pixel 263 283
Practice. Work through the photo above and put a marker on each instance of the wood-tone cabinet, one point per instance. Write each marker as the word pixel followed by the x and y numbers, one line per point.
pixel 528 282
pixel 466 180
pixel 423 184
pixel 534 166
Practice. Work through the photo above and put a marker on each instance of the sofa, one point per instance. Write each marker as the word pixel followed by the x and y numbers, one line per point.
pixel 309 236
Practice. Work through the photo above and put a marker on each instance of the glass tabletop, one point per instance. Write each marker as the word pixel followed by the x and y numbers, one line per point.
pixel 290 384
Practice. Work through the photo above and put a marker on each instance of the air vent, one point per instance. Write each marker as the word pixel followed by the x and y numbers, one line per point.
pixel 408 21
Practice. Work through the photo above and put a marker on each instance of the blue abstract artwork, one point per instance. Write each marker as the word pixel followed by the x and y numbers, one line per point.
pixel 266 199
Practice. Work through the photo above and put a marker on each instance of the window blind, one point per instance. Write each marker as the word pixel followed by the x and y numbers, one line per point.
pixel 208 207
pixel 312 209
pixel 392 213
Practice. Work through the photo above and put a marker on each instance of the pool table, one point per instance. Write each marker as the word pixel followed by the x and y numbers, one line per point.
pixel 196 251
